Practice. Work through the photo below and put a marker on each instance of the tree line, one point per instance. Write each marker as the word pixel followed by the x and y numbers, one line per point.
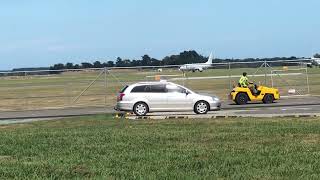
pixel 146 60
pixel 185 57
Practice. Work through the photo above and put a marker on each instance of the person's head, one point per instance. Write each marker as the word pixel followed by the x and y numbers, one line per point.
pixel 244 74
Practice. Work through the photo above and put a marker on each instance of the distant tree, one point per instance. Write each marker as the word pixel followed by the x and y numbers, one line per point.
pixel 136 63
pixel 155 62
pixel 146 60
pixel 69 65
pixel 110 64
pixel 97 64
pixel 126 63
pixel 316 55
pixel 184 57
pixel 86 65
pixel 57 67
pixel 119 62
pixel 76 66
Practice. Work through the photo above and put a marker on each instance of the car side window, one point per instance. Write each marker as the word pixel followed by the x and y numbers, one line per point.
pixel 149 89
pixel 174 88
pixel 156 89
pixel 138 89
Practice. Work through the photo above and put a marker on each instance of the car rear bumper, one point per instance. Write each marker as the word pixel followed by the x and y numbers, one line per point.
pixel 123 106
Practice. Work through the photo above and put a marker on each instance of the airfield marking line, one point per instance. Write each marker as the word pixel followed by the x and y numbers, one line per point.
pixel 234 76
pixel 296 96
pixel 165 75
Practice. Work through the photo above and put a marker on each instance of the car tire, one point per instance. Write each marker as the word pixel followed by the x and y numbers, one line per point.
pixel 242 98
pixel 201 107
pixel 140 109
pixel 268 99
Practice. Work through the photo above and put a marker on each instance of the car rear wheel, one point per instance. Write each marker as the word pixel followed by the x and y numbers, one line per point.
pixel 140 109
pixel 241 98
pixel 201 107
pixel 268 98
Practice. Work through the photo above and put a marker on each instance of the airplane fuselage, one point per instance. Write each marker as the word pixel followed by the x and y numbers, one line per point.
pixel 194 67
pixel 197 67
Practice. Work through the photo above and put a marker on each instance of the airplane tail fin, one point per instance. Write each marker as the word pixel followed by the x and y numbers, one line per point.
pixel 210 59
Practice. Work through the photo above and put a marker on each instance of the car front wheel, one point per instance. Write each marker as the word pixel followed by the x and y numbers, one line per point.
pixel 201 107
pixel 241 99
pixel 140 109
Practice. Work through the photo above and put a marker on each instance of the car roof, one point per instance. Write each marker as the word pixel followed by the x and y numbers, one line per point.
pixel 153 82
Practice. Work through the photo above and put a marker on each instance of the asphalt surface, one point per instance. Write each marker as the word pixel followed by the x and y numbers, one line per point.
pixel 285 106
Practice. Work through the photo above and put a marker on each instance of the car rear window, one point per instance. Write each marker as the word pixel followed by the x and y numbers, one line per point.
pixel 123 89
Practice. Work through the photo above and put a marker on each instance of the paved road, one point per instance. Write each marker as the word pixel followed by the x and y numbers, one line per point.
pixel 285 106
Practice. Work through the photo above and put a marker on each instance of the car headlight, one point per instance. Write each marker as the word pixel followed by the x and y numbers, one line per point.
pixel 216 99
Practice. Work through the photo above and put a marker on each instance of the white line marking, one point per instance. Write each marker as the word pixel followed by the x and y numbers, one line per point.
pixel 224 77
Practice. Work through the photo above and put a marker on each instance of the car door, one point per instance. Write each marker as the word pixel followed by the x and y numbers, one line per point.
pixel 178 98
pixel 156 96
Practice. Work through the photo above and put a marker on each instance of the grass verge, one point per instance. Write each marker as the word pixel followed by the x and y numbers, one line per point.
pixel 102 147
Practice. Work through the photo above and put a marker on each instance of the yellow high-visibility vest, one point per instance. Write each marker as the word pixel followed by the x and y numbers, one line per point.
pixel 244 82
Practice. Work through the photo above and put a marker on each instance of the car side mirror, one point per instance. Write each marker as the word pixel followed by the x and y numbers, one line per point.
pixel 187 93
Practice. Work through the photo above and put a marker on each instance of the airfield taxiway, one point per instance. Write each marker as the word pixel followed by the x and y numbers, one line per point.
pixel 307 105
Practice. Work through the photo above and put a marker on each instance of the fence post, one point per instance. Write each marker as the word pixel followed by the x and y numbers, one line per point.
pixel 26 93
pixel 105 86
pixel 271 78
pixel 230 81
pixel 307 80
pixel 265 72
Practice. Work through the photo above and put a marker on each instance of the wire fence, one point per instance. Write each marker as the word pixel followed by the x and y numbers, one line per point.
pixel 45 89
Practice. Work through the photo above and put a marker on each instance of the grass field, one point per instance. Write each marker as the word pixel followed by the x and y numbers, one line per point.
pixel 61 90
pixel 106 148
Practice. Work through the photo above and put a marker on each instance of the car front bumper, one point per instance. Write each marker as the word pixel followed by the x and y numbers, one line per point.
pixel 215 106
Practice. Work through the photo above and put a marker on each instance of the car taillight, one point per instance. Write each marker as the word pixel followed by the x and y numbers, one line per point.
pixel 120 97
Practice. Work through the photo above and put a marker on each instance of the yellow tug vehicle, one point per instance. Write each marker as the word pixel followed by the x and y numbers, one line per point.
pixel 242 95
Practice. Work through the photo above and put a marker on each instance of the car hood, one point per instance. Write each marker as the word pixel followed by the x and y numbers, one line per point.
pixel 208 95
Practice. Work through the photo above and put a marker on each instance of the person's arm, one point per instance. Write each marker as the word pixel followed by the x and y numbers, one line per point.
pixel 246 81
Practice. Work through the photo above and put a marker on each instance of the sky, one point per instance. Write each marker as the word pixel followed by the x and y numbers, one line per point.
pixel 39 33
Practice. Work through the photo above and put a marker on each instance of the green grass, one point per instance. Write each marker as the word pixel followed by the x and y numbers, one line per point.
pixel 102 147
pixel 42 92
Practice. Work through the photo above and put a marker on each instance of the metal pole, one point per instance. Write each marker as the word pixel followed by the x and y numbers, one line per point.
pixel 26 94
pixel 70 85
pixel 271 78
pixel 65 95
pixel 78 97
pixel 265 72
pixel 230 81
pixel 307 80
pixel 105 85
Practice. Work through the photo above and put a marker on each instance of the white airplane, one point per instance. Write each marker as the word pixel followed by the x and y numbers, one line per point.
pixel 315 61
pixel 198 66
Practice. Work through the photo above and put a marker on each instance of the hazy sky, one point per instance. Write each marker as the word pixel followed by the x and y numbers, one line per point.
pixel 42 32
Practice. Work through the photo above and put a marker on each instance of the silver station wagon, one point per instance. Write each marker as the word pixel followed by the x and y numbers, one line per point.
pixel 163 96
